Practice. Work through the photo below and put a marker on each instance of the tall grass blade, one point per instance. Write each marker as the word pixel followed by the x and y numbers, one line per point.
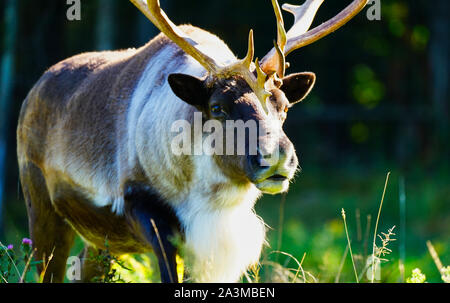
pixel 280 223
pixel 435 256
pixel 358 225
pixel 376 226
pixel 166 261
pixel 24 273
pixel 350 246
pixel 341 265
pixel 402 201
pixel 366 234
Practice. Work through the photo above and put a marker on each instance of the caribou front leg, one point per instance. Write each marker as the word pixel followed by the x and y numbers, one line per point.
pixel 156 223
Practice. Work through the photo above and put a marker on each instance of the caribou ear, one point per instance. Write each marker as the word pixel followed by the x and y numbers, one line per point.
pixel 190 89
pixel 297 86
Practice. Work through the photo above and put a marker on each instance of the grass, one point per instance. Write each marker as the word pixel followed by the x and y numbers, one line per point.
pixel 349 246
pixel 376 226
pixel 309 242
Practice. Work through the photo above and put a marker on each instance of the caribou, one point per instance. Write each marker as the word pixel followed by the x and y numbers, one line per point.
pixel 94 147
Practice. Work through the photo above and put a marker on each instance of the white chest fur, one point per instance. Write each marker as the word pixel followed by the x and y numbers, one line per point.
pixel 223 234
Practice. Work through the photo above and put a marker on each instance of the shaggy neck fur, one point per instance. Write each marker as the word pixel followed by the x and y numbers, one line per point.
pixel 223 242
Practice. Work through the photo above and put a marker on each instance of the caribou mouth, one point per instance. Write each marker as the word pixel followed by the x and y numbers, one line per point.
pixel 277 178
pixel 274 184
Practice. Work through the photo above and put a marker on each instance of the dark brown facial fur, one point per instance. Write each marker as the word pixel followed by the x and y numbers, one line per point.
pixel 233 100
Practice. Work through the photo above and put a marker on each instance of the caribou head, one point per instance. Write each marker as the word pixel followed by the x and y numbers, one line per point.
pixel 251 90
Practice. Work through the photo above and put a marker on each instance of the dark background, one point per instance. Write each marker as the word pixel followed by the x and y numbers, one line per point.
pixel 380 104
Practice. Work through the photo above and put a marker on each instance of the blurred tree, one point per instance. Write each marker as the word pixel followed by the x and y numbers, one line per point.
pixel 106 21
pixel 6 88
pixel 439 58
pixel 145 29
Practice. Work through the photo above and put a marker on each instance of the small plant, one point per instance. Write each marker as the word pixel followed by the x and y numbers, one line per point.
pixel 374 261
pixel 416 277
pixel 275 272
pixel 107 262
pixel 12 259
pixel 7 260
pixel 383 250
pixel 445 274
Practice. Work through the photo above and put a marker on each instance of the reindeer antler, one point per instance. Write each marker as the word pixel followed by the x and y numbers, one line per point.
pixel 152 10
pixel 274 62
pixel 299 36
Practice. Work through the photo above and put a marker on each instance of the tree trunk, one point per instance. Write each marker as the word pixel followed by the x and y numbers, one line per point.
pixel 106 24
pixel 6 89
pixel 145 30
pixel 439 58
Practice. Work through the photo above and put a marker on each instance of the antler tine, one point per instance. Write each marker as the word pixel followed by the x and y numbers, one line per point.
pixel 152 10
pixel 281 32
pixel 247 61
pixel 299 35
pixel 303 16
pixel 298 41
pixel 277 61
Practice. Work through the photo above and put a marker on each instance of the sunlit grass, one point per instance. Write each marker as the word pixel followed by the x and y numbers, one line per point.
pixel 310 243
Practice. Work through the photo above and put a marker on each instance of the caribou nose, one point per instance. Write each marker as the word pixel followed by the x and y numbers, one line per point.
pixel 271 173
pixel 258 162
pixel 277 165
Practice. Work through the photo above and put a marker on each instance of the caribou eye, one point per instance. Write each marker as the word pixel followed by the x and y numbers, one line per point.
pixel 216 109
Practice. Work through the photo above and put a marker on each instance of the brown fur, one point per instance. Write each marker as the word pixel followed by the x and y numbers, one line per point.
pixel 86 98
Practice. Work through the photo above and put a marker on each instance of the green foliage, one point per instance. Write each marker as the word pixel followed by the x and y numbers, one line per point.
pixel 311 225
pixel 144 268
pixel 109 264
pixel 367 89
pixel 17 265
pixel 445 272
pixel 416 277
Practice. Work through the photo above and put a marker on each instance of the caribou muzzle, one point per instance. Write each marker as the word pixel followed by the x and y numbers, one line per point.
pixel 271 172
